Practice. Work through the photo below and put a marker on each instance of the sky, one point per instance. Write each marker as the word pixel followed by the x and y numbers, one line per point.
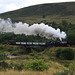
pixel 10 5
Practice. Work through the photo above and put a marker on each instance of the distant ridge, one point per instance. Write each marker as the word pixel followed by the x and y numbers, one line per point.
pixel 64 9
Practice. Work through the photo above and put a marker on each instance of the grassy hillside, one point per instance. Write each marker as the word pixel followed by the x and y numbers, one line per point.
pixel 57 15
pixel 52 12
pixel 44 9
pixel 17 56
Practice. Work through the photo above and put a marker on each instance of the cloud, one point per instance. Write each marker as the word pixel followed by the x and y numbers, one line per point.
pixel 8 5
pixel 34 2
pixel 0 5
pixel 12 7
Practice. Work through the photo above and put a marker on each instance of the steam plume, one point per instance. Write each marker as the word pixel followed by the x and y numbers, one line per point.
pixel 24 28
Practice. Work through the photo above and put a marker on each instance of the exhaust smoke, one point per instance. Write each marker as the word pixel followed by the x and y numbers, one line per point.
pixel 24 28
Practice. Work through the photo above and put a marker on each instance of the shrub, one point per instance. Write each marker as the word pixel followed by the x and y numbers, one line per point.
pixel 3 56
pixel 36 65
pixel 58 52
pixel 18 67
pixel 65 53
pixel 72 66
pixel 1 47
pixel 50 58
pixel 62 72
pixel 10 66
pixel 26 57
pixel 38 57
pixel 9 49
pixel 66 64
pixel 43 16
pixel 3 65
pixel 31 54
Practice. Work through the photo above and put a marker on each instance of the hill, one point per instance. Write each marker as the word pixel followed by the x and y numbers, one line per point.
pixel 44 9
pixel 52 11
pixel 57 15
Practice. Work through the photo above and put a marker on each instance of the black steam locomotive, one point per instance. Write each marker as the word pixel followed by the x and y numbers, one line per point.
pixel 52 44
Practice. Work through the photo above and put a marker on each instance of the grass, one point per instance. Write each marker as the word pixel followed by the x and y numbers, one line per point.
pixel 48 56
pixel 50 72
pixel 53 67
pixel 38 11
pixel 38 19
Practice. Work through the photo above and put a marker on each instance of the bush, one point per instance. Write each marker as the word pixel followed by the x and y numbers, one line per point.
pixel 58 52
pixel 72 66
pixel 65 53
pixel 31 54
pixel 50 58
pixel 38 57
pixel 3 65
pixel 18 67
pixel 1 47
pixel 3 56
pixel 26 57
pixel 62 72
pixel 10 66
pixel 36 65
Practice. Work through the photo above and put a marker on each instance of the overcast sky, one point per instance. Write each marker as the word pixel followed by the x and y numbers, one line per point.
pixel 9 5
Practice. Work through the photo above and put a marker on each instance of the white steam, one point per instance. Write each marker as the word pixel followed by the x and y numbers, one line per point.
pixel 24 28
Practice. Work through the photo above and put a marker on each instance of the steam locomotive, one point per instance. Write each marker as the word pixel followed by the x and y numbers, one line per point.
pixel 52 44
